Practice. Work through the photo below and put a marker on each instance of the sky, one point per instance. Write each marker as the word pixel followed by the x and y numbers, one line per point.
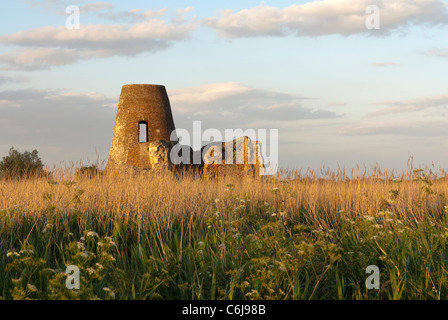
pixel 344 85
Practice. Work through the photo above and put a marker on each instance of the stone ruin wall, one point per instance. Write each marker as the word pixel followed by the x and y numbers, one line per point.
pixel 242 155
pixel 149 104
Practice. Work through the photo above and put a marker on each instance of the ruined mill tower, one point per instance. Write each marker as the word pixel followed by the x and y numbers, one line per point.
pixel 142 138
pixel 143 117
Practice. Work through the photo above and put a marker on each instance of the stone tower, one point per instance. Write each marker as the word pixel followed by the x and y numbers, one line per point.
pixel 143 117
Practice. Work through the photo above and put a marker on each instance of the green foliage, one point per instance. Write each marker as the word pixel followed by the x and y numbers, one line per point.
pixel 239 250
pixel 21 165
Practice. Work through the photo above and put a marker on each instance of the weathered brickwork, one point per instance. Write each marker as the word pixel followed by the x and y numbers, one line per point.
pixel 147 106
pixel 159 155
pixel 241 155
pixel 140 103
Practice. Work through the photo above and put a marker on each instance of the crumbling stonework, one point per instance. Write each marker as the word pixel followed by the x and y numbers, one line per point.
pixel 148 106
pixel 240 156
pixel 159 155
pixel 139 104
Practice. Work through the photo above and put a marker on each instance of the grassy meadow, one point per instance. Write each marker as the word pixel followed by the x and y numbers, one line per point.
pixel 307 235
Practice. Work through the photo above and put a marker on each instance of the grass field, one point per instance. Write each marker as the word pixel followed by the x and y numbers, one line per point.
pixel 308 235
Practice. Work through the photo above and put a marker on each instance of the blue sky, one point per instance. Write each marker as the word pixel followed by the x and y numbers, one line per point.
pixel 338 93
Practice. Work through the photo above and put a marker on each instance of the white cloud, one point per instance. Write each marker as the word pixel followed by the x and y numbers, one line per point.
pixel 133 15
pixel 233 105
pixel 207 93
pixel 95 7
pixel 37 58
pixel 51 4
pixel 385 64
pixel 96 36
pixel 411 105
pixel 102 9
pixel 50 46
pixel 442 53
pixel 430 128
pixel 326 17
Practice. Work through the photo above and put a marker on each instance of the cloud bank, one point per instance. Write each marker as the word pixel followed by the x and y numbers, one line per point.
pixel 63 125
pixel 50 46
pixel 234 105
pixel 327 17
pixel 411 105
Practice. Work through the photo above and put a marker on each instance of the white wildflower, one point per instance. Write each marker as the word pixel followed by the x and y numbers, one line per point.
pixel 32 287
pixel 252 292
pixel 80 245
pixel 111 293
pixel 86 254
pixel 92 234
pixel 12 253
pixel 109 256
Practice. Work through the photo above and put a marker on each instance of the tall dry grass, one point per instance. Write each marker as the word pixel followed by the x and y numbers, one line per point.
pixel 163 235
pixel 161 198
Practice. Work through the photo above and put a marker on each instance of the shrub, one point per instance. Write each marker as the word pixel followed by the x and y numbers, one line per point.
pixel 89 171
pixel 20 165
